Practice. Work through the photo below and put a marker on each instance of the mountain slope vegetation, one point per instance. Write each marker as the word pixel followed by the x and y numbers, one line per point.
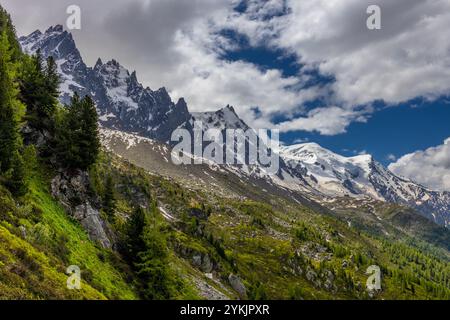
pixel 137 232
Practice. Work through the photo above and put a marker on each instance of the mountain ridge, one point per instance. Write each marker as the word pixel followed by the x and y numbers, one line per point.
pixel 124 104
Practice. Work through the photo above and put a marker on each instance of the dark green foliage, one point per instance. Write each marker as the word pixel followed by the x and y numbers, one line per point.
pixel 306 233
pixel 109 198
pixel 134 231
pixel 257 292
pixel 17 181
pixel 39 91
pixel 151 266
pixel 7 26
pixel 11 112
pixel 77 139
pixel 148 254
pixel 296 293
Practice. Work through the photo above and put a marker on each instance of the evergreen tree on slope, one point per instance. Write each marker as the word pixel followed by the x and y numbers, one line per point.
pixel 11 113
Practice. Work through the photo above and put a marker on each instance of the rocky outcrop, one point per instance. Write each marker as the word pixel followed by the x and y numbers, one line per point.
pixel 238 286
pixel 200 260
pixel 203 262
pixel 92 222
pixel 71 190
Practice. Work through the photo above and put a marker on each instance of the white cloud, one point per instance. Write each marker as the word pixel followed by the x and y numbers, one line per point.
pixel 430 167
pixel 391 157
pixel 408 58
pixel 174 43
pixel 301 140
pixel 326 120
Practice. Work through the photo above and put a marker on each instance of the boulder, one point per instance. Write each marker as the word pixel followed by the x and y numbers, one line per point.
pixel 207 265
pixel 237 285
pixel 197 260
pixel 71 190
pixel 93 224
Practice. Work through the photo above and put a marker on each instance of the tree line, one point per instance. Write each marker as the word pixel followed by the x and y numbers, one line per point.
pixel 29 91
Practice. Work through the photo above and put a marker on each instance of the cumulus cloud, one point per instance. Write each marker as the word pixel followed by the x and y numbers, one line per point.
pixel 327 120
pixel 409 57
pixel 391 157
pixel 178 44
pixel 430 167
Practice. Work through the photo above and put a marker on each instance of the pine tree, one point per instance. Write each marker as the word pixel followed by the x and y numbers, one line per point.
pixel 152 266
pixel 11 113
pixel 88 138
pixel 39 91
pixel 67 149
pixel 7 26
pixel 18 179
pixel 109 198
pixel 52 82
pixel 134 234
pixel 78 143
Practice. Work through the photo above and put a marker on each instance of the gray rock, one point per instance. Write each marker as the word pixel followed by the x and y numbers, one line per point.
pixel 91 221
pixel 203 262
pixel 237 285
pixel 328 275
pixel 344 264
pixel 328 285
pixel 197 260
pixel 207 265
pixel 311 275
pixel 23 231
pixel 71 189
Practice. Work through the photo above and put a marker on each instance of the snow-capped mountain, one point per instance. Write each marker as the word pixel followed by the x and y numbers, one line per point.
pixel 122 102
pixel 125 104
pixel 59 43
pixel 329 173
pixel 361 176
pixel 222 119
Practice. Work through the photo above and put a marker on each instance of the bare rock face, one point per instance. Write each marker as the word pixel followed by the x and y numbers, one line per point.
pixel 203 262
pixel 237 285
pixel 71 191
pixel 92 222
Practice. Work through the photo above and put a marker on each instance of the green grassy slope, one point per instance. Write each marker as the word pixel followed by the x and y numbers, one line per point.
pixel 284 250
pixel 38 241
pixel 279 249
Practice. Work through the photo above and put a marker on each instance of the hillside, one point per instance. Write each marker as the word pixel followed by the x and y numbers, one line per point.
pixel 124 104
pixel 279 249
pixel 76 193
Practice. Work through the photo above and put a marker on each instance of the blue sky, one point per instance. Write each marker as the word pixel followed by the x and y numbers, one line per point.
pixel 392 130
pixel 397 131
pixel 388 133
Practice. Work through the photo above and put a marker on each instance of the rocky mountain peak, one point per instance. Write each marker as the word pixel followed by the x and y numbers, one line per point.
pixel 122 101
pixel 55 41
pixel 181 104
pixel 225 118
pixel 98 64
pixel 124 104
pixel 134 76
pixel 56 28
